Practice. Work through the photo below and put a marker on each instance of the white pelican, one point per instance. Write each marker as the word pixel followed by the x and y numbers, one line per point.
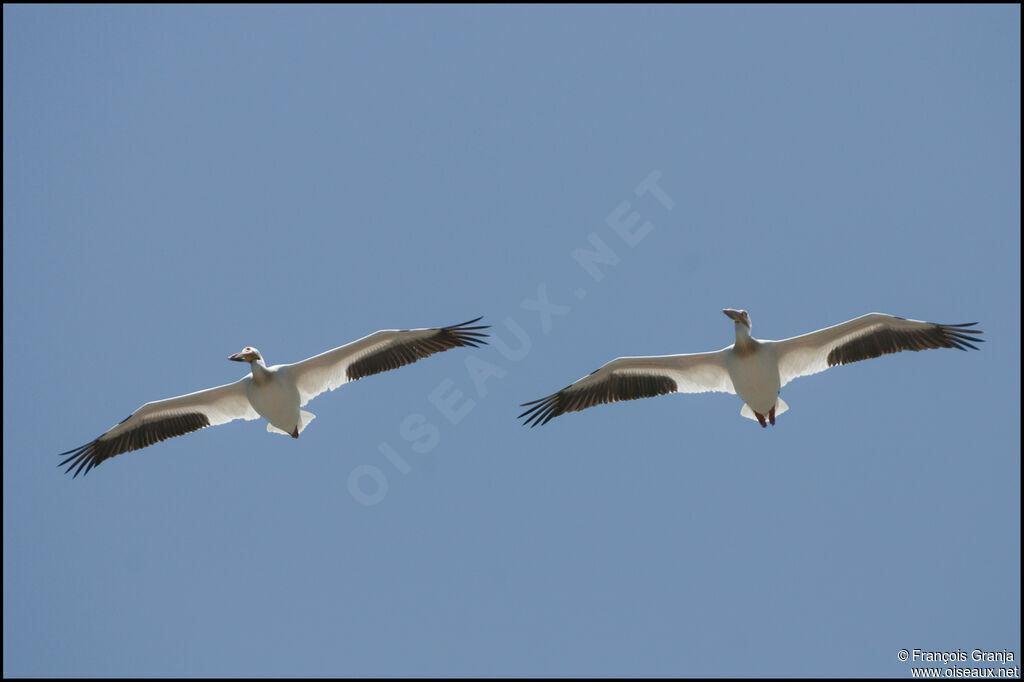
pixel 753 369
pixel 275 393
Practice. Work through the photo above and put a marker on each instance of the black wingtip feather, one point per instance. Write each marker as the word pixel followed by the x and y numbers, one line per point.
pixel 885 341
pixel 404 353
pixel 82 459
pixel 612 389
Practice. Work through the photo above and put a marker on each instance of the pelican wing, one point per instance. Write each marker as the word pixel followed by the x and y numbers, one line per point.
pixel 163 419
pixel 379 352
pixel 633 378
pixel 868 336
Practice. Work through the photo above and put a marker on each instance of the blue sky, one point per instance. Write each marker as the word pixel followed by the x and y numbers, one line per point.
pixel 180 182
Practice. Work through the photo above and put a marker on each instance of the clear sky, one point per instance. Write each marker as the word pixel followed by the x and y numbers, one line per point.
pixel 183 181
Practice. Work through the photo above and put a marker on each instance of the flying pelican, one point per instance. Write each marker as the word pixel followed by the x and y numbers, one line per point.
pixel 275 393
pixel 753 369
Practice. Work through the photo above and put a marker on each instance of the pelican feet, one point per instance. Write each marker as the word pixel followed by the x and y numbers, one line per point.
pixel 295 433
pixel 761 419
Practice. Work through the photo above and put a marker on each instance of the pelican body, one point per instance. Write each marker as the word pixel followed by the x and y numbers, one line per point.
pixel 753 368
pixel 273 392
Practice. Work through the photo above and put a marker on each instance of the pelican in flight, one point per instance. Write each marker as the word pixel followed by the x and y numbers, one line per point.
pixel 275 393
pixel 753 369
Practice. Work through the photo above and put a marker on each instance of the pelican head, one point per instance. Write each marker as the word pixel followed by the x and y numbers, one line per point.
pixel 738 316
pixel 247 354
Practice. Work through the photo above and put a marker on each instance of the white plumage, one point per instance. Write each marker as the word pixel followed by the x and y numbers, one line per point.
pixel 753 369
pixel 275 393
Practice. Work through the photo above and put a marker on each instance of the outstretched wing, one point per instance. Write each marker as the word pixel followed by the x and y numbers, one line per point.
pixel 379 352
pixel 163 419
pixel 633 378
pixel 868 336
